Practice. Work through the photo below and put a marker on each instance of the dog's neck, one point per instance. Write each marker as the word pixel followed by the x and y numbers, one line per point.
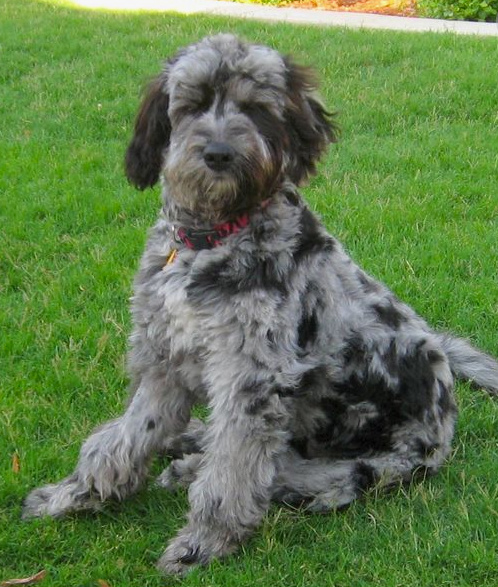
pixel 197 233
pixel 199 239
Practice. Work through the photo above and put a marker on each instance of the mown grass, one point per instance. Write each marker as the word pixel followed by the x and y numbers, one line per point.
pixel 411 189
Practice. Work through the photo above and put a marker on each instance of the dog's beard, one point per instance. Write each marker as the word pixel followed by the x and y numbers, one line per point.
pixel 215 196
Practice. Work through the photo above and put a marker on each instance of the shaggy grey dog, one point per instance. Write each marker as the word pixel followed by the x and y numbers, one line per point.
pixel 320 383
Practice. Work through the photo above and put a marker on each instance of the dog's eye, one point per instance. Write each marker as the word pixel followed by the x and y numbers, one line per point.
pixel 198 102
pixel 257 110
pixel 260 114
pixel 196 108
pixel 251 108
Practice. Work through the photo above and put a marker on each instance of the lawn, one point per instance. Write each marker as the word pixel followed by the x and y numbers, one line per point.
pixel 411 190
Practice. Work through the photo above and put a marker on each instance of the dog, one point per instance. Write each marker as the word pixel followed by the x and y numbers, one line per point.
pixel 320 383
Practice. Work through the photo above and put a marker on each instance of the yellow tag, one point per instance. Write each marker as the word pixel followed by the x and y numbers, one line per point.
pixel 171 258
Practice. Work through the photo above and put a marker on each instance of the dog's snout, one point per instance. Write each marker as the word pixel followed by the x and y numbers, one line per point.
pixel 218 156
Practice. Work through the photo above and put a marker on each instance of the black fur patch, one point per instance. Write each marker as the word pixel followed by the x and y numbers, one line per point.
pixel 192 557
pixel 222 277
pixel 307 330
pixel 367 283
pixel 300 445
pixel 389 315
pixel 345 439
pixel 270 337
pixel 367 387
pixel 435 357
pixel 334 409
pixel 207 98
pixel 425 450
pixel 416 382
pixel 354 351
pixel 312 380
pixel 411 397
pixel 364 477
pixel 311 238
pixel 445 401
pixel 390 358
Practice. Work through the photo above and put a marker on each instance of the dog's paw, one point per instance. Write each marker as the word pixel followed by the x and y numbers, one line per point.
pixel 182 555
pixel 291 498
pixel 168 479
pixel 189 549
pixel 38 503
pixel 180 473
pixel 58 499
pixel 334 500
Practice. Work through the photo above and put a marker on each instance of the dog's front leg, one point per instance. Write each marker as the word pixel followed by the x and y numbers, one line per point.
pixel 114 460
pixel 233 487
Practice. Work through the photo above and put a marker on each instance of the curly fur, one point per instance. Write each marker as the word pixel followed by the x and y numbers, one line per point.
pixel 320 382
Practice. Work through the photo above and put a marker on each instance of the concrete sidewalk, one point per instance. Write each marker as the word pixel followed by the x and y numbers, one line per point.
pixel 299 15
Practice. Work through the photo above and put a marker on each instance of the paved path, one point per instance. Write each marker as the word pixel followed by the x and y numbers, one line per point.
pixel 299 15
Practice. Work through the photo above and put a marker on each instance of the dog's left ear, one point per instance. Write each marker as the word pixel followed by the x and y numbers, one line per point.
pixel 143 159
pixel 311 127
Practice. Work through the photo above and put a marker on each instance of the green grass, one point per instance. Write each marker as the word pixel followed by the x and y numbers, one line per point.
pixel 411 190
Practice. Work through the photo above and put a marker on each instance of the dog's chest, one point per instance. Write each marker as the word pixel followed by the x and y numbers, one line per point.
pixel 163 306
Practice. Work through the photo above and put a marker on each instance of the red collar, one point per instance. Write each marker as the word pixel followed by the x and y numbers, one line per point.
pixel 199 239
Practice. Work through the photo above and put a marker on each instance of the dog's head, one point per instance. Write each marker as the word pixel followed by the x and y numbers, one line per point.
pixel 225 123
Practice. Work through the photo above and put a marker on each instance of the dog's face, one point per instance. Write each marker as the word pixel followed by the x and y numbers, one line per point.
pixel 224 124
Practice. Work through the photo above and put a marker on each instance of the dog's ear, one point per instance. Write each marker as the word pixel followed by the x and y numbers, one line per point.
pixel 143 159
pixel 311 127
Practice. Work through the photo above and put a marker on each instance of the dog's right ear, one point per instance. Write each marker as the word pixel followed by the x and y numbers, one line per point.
pixel 143 159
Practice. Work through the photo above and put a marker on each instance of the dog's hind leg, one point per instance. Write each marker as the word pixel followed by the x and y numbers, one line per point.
pixel 323 484
pixel 320 484
pixel 419 444
pixel 187 450
pixel 114 460
pixel 417 433
pixel 188 442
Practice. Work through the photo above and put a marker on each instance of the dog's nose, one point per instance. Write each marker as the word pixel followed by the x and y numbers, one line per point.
pixel 218 156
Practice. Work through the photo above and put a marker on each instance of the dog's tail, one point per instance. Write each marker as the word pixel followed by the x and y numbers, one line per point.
pixel 466 362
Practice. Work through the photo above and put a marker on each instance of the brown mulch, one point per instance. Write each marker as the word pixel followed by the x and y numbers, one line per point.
pixel 391 7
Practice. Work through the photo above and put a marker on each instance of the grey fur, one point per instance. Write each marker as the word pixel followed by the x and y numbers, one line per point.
pixel 319 381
